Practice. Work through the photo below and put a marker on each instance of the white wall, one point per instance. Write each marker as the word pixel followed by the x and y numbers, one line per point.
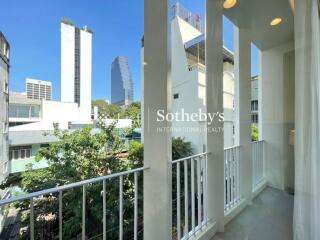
pixel 67 62
pixel 61 112
pixel 276 112
pixel 85 73
pixel 191 87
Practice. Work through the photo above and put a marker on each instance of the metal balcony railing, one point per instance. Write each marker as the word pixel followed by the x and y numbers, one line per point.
pixel 194 20
pixel 32 197
pixel 232 177
pixel 257 163
pixel 194 182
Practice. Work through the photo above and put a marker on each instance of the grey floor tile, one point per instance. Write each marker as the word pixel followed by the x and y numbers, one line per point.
pixel 269 217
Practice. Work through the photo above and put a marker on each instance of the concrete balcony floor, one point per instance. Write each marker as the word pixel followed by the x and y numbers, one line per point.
pixel 269 217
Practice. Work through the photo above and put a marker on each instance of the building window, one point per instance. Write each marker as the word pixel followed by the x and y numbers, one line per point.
pixel 176 96
pixel 21 152
pixel 254 105
pixel 254 118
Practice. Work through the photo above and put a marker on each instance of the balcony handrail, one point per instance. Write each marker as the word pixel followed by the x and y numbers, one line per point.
pixel 69 186
pixel 235 146
pixel 189 157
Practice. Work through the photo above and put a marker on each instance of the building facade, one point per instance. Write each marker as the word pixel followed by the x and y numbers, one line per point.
pixel 188 80
pixel 121 82
pixel 38 89
pixel 254 100
pixel 76 66
pixel 4 104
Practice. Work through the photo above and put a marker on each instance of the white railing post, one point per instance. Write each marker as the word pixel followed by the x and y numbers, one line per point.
pixel 242 72
pixel 214 104
pixel 157 184
pixel 60 215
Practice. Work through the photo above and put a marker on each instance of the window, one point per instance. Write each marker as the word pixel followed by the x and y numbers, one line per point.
pixel 21 152
pixel 254 105
pixel 176 96
pixel 254 118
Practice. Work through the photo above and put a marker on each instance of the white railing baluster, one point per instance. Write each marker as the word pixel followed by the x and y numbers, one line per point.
pixel 231 177
pixel 224 179
pixel 121 208
pixel 178 203
pixel 192 198
pixel 238 173
pixel 199 190
pixel 228 179
pixel 205 189
pixel 83 212
pixel 186 203
pixel 104 211
pixel 135 206
pixel 60 215
pixel 31 219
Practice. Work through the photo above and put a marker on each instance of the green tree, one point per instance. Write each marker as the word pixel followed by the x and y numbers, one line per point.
pixel 254 133
pixel 180 148
pixel 108 110
pixel 79 155
pixel 134 113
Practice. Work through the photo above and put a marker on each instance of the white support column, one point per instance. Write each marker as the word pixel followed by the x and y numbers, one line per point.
pixel 242 72
pixel 214 103
pixel 157 185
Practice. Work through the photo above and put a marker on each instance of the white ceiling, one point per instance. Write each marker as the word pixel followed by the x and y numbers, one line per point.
pixel 257 15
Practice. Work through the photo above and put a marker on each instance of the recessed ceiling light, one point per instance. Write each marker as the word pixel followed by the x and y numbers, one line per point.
pixel 275 21
pixel 229 3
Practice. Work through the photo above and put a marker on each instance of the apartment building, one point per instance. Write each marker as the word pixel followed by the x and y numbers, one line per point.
pixel 76 65
pixel 4 120
pixel 4 104
pixel 38 89
pixel 254 100
pixel 188 79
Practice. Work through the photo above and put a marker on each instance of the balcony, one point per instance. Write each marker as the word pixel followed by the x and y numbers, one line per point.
pixel 189 192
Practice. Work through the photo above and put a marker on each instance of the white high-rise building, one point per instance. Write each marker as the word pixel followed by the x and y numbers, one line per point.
pixel 76 66
pixel 38 89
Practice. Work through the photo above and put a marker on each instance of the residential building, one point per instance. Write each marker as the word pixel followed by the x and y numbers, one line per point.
pixel 76 66
pixel 27 139
pixel 4 104
pixel 23 110
pixel 254 100
pixel 4 120
pixel 38 89
pixel 121 82
pixel 188 79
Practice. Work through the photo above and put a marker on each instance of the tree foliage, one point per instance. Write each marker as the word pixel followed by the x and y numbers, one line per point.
pixel 180 148
pixel 79 155
pixel 254 133
pixel 108 110
pixel 133 112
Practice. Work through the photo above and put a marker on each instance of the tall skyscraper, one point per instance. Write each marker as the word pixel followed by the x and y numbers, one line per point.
pixel 76 66
pixel 38 89
pixel 121 82
pixel 4 106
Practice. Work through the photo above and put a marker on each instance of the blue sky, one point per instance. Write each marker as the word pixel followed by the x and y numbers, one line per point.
pixel 33 29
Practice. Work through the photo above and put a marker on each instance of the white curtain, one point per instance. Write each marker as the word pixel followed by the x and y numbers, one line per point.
pixel 307 124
